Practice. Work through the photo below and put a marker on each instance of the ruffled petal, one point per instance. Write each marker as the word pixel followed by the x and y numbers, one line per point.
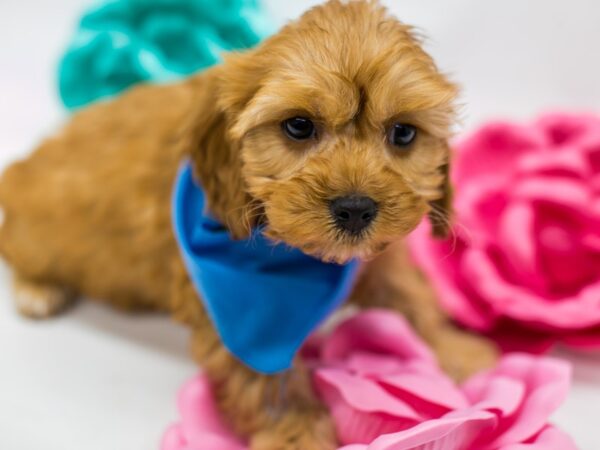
pixel 120 43
pixel 442 263
pixel 201 422
pixel 519 303
pixel 546 382
pixel 456 431
pixel 493 149
pixel 567 129
pixel 362 410
pixel 376 331
pixel 550 438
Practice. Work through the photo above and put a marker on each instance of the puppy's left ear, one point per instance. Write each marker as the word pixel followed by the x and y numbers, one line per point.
pixel 441 208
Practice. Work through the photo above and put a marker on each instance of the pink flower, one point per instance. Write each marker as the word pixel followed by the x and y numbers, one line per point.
pixel 524 264
pixel 201 427
pixel 385 392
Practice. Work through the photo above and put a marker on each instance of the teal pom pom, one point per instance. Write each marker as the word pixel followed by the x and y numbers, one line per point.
pixel 123 42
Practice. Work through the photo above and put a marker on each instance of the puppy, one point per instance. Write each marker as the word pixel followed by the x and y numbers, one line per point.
pixel 331 138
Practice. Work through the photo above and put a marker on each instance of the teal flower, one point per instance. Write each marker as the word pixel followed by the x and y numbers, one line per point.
pixel 123 42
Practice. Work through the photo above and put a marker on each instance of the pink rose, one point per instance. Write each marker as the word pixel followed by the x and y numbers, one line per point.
pixel 201 427
pixel 524 263
pixel 385 392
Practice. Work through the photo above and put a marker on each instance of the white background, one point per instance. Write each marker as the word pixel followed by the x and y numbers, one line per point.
pixel 98 380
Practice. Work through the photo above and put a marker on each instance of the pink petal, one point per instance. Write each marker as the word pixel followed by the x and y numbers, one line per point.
pixel 364 394
pixel 516 235
pixel 561 129
pixel 443 270
pixel 495 393
pixel 515 336
pixel 493 149
pixel 457 431
pixel 547 383
pixel 519 303
pixel 376 331
pixel 435 389
pixel 361 409
pixel 550 438
pixel 584 340
pixel 478 207
pixel 564 191
pixel 371 365
pixel 173 439
pixel 201 421
pixel 568 162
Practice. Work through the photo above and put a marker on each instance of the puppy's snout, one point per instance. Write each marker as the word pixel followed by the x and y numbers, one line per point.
pixel 353 213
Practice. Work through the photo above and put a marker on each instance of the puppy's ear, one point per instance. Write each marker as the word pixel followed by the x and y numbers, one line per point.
pixel 441 208
pixel 215 154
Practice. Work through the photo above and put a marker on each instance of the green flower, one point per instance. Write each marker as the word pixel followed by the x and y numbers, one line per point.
pixel 123 42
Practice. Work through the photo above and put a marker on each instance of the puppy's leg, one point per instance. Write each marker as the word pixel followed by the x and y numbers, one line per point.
pixel 297 430
pixel 274 413
pixel 392 281
pixel 38 300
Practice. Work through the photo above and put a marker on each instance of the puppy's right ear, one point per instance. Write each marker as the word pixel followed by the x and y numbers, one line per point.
pixel 215 154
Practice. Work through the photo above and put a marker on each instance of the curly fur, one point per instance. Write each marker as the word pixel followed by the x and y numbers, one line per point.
pixel 89 211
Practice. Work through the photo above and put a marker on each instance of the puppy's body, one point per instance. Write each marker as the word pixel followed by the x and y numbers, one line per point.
pixel 90 209
pixel 89 212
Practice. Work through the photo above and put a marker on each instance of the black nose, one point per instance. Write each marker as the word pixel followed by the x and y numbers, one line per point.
pixel 353 213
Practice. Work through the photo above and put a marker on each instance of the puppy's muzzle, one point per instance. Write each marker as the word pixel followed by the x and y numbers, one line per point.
pixel 354 213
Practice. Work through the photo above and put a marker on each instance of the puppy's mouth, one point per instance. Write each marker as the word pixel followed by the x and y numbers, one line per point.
pixel 345 248
pixel 342 228
pixel 338 246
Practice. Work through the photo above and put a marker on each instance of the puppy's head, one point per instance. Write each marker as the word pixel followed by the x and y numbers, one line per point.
pixel 332 134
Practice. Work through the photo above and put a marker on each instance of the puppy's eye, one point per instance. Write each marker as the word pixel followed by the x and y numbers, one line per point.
pixel 299 128
pixel 402 135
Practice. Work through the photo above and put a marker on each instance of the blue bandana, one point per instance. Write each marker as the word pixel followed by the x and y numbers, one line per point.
pixel 263 299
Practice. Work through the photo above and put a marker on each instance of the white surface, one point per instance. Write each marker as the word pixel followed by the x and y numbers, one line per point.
pixel 98 380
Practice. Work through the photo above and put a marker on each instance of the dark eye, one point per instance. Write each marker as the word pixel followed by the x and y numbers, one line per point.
pixel 299 128
pixel 402 135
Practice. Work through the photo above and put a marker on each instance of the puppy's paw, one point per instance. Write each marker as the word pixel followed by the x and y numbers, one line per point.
pixel 40 301
pixel 297 431
pixel 462 354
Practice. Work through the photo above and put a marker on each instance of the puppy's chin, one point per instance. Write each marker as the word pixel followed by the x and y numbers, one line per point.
pixel 343 253
pixel 340 249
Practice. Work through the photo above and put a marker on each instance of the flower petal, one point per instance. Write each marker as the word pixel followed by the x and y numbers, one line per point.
pixel 379 332
pixel 442 265
pixel 173 439
pixel 493 149
pixel 547 382
pixel 456 431
pixel 361 409
pixel 498 394
pixel 562 129
pixel 549 438
pixel 201 421
pixel 519 303
pixel 435 389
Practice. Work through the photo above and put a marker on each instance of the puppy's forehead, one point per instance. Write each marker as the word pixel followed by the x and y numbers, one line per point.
pixel 341 59
pixel 344 62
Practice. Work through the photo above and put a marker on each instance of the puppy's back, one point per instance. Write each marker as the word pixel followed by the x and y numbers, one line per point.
pixel 89 209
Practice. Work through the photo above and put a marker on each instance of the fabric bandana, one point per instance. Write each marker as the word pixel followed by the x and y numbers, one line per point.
pixel 264 299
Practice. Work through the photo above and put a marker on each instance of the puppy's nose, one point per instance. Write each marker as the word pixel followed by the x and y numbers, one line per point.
pixel 353 213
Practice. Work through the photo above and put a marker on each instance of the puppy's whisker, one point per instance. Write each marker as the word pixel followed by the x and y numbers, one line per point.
pixel 467 235
pixel 443 216
pixel 252 214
